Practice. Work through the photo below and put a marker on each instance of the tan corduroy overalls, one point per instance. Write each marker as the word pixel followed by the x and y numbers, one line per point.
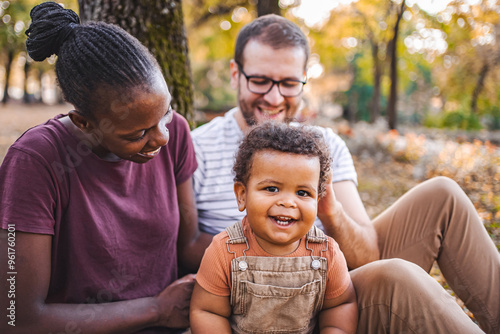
pixel 276 294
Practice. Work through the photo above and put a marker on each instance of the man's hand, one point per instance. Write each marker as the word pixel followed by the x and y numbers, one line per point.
pixel 345 219
pixel 327 203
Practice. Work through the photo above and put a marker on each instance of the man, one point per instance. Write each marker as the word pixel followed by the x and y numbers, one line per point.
pixel 390 256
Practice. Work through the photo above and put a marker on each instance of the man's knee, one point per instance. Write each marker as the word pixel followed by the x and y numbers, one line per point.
pixel 398 296
pixel 383 278
pixel 441 187
pixel 386 270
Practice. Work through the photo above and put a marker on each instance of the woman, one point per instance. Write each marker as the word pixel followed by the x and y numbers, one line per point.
pixel 96 206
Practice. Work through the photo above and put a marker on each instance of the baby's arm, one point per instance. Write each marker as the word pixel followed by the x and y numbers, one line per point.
pixel 340 314
pixel 209 313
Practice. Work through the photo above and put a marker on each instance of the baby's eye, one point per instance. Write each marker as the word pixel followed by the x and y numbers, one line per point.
pixel 272 189
pixel 303 193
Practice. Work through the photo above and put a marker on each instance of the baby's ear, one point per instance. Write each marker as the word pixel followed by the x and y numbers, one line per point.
pixel 240 192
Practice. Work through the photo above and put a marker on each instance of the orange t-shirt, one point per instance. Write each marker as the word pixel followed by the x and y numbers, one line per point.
pixel 215 270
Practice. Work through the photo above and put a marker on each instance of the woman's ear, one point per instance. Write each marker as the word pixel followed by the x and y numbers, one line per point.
pixel 80 121
pixel 240 192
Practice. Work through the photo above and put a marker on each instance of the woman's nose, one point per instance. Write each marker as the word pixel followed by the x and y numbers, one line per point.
pixel 160 136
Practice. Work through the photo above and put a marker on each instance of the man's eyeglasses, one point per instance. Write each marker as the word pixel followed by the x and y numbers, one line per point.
pixel 263 85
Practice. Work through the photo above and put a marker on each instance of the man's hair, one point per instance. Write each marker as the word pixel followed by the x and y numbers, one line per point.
pixel 274 31
pixel 90 56
pixel 282 137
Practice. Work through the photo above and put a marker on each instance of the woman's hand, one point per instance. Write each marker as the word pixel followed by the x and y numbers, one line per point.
pixel 173 303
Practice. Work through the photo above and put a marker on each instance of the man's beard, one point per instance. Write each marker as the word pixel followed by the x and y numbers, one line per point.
pixel 247 110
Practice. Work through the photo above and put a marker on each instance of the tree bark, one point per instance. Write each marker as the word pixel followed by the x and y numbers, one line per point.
pixel 265 7
pixel 479 87
pixel 159 25
pixel 393 95
pixel 26 97
pixel 8 66
pixel 377 77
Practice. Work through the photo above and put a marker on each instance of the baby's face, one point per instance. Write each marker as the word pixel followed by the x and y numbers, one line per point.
pixel 281 198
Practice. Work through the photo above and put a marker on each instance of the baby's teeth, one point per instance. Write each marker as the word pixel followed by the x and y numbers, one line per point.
pixel 283 220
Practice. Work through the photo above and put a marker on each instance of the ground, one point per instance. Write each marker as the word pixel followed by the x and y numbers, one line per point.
pixel 388 163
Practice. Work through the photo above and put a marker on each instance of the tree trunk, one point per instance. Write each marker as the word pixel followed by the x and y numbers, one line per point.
pixel 479 87
pixel 26 97
pixel 352 109
pixel 268 7
pixel 393 95
pixel 377 77
pixel 159 25
pixel 8 65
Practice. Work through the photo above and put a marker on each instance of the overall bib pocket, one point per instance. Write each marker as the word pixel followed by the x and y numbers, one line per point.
pixel 278 309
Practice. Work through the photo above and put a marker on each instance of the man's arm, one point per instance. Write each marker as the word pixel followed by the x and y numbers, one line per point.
pixel 191 243
pixel 33 314
pixel 345 219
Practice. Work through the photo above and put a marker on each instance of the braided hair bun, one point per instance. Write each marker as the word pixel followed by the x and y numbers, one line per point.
pixel 90 56
pixel 51 25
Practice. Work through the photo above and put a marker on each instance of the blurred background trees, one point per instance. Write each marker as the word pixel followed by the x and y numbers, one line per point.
pixel 433 63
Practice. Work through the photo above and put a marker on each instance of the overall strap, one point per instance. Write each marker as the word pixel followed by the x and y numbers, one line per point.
pixel 235 233
pixel 316 235
pixel 236 236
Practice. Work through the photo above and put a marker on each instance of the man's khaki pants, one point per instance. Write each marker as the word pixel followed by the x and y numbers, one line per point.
pixel 435 221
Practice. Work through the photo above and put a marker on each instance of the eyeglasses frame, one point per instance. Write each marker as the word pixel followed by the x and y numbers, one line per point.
pixel 274 82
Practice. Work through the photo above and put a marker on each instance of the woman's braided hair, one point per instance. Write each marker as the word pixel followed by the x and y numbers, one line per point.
pixel 89 55
pixel 282 137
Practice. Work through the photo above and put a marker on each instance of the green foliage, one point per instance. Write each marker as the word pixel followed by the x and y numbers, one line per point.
pixel 361 92
pixel 15 19
pixel 454 120
pixel 492 118
pixel 211 28
pixel 213 91
pixel 433 121
pixel 461 120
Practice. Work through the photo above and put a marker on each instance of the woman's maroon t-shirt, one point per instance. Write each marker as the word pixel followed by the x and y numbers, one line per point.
pixel 114 224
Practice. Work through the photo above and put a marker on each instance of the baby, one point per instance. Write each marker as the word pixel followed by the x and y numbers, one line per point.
pixel 274 271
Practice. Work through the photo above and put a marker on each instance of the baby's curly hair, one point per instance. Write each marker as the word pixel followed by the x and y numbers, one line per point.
pixel 282 137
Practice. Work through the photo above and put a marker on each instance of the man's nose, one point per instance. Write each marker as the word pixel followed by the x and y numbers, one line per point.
pixel 274 97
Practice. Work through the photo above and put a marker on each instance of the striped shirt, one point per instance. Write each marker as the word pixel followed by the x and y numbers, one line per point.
pixel 215 144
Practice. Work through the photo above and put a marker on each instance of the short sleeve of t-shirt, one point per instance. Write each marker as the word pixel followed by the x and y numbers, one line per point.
pixel 338 278
pixel 28 193
pixel 185 158
pixel 214 275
